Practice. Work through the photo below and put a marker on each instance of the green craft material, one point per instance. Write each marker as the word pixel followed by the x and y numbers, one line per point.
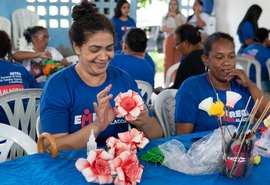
pixel 153 155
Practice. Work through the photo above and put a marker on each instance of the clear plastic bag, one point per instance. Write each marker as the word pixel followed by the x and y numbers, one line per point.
pixel 203 157
pixel 262 145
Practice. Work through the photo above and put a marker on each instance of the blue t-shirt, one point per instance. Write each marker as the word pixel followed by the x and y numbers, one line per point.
pixel 120 29
pixel 137 68
pixel 196 89
pixel 14 77
pixel 246 31
pixel 67 102
pixel 260 53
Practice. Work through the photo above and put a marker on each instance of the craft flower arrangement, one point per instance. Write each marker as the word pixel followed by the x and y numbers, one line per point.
pixel 238 152
pixel 50 67
pixel 120 165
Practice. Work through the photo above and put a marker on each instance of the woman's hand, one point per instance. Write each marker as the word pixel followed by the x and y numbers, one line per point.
pixel 141 119
pixel 45 55
pixel 104 112
pixel 240 77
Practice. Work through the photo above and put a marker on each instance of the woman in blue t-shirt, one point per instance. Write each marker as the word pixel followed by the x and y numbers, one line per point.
pixel 80 97
pixel 122 22
pixel 219 56
pixel 248 26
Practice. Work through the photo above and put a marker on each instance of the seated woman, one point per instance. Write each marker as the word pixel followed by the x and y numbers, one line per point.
pixel 37 52
pixel 219 56
pixel 188 42
pixel 261 53
pixel 80 97
pixel 13 76
pixel 133 61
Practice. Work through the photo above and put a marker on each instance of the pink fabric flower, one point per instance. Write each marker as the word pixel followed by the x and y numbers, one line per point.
pixel 128 169
pixel 128 105
pixel 134 137
pixel 232 99
pixel 116 147
pixel 97 167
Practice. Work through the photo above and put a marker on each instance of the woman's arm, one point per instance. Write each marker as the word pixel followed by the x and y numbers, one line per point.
pixel 22 55
pixel 255 92
pixel 183 128
pixel 148 125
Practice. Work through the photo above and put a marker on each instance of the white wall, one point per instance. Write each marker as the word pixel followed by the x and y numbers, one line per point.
pixel 229 13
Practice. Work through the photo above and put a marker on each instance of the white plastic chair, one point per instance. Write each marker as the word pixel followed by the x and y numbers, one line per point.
pixel 21 20
pixel 244 63
pixel 268 67
pixel 146 90
pixel 169 74
pixel 14 135
pixel 73 59
pixel 164 108
pixel 5 25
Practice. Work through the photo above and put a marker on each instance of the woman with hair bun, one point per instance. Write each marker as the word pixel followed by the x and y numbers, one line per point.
pixel 37 52
pixel 80 97
pixel 187 41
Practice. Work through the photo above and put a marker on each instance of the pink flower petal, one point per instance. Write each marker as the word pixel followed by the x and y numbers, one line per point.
pixel 138 99
pixel 124 136
pixel 81 164
pixel 129 117
pixel 135 112
pixel 122 111
pixel 106 156
pixel 103 179
pixel 144 142
pixel 120 174
pixel 117 181
pixel 89 176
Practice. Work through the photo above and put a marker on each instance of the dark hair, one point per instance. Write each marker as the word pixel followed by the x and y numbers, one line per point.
pixel 32 31
pixel 200 2
pixel 208 45
pixel 87 21
pixel 189 33
pixel 136 39
pixel 261 34
pixel 252 15
pixel 5 46
pixel 117 10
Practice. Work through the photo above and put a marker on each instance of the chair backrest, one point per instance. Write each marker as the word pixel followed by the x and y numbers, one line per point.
pixel 73 59
pixel 21 20
pixel 268 67
pixel 22 109
pixel 244 62
pixel 169 74
pixel 14 135
pixel 5 25
pixel 146 90
pixel 164 108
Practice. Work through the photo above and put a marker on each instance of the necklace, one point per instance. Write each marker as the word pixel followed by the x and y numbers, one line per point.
pixel 214 89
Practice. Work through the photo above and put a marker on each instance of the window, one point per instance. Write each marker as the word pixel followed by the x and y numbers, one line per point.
pixel 186 7
pixel 57 13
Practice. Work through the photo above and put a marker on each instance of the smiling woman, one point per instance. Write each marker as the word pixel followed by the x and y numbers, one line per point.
pixel 80 97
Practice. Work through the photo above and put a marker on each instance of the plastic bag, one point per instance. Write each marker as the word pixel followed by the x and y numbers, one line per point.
pixel 262 145
pixel 203 157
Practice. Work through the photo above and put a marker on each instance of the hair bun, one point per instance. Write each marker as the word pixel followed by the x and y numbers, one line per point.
pixel 84 9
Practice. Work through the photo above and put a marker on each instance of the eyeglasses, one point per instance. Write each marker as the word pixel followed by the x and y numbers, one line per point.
pixel 43 37
pixel 177 44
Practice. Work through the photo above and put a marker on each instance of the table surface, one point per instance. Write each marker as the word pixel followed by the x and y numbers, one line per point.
pixel 42 169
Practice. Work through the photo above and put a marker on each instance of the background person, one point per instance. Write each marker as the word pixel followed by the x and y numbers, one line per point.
pixel 133 61
pixel 13 76
pixel 187 41
pixel 248 26
pixel 122 22
pixel 261 53
pixel 89 87
pixel 219 56
pixel 169 23
pixel 37 52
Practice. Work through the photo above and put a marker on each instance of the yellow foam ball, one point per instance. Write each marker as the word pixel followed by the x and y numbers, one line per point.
pixel 257 159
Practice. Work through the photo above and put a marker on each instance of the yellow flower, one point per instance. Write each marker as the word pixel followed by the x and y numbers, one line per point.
pixel 217 109
pixel 257 159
